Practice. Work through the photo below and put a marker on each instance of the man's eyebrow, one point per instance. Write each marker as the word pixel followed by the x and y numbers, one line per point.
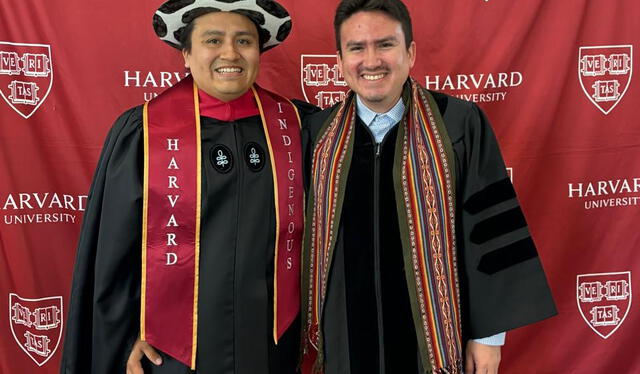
pixel 222 33
pixel 244 33
pixel 390 38
pixel 213 33
pixel 357 43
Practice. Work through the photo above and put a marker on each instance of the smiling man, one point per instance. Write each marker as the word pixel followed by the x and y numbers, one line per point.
pixel 188 258
pixel 417 256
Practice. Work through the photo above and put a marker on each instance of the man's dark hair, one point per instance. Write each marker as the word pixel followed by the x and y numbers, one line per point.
pixel 393 8
pixel 185 37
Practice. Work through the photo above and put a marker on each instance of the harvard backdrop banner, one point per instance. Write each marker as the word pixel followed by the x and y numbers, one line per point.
pixel 556 78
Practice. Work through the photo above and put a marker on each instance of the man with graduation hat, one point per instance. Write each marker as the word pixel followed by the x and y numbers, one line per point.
pixel 189 250
pixel 417 257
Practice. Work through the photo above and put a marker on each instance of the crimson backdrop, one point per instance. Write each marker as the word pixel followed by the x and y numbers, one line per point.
pixel 555 77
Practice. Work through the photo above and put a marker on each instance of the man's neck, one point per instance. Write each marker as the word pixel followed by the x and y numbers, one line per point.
pixel 362 106
pixel 241 107
pixel 382 106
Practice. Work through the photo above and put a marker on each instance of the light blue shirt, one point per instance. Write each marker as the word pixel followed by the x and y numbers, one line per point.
pixel 380 124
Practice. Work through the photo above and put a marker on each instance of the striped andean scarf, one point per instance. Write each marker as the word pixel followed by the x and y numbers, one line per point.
pixel 425 196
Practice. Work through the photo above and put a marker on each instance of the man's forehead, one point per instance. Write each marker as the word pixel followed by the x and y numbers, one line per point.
pixel 365 26
pixel 224 22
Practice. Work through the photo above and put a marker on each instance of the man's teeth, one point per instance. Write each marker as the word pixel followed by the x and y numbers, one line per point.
pixel 370 77
pixel 229 70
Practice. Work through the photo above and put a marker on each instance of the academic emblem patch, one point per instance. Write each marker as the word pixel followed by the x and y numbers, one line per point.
pixel 221 158
pixel 604 300
pixel 322 83
pixel 254 156
pixel 26 76
pixel 605 73
pixel 36 325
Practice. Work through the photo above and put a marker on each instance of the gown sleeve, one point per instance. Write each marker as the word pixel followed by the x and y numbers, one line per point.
pixel 103 319
pixel 502 280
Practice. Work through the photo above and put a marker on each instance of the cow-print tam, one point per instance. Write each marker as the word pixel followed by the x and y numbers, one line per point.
pixel 271 19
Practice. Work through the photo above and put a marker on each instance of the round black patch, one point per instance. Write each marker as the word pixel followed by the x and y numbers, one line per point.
pixel 254 156
pixel 178 33
pixel 159 26
pixel 221 158
pixel 283 31
pixel 272 8
pixel 255 17
pixel 197 12
pixel 174 6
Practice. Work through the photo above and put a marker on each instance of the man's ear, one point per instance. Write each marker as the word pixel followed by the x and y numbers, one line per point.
pixel 339 60
pixel 185 55
pixel 412 53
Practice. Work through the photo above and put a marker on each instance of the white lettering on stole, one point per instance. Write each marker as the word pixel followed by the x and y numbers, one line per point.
pixel 172 221
pixel 172 258
pixel 173 164
pixel 291 208
pixel 173 199
pixel 173 182
pixel 172 145
pixel 286 140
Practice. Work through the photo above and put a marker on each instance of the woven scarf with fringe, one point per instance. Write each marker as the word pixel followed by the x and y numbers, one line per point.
pixel 425 199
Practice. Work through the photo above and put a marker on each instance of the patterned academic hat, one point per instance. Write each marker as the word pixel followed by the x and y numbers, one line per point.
pixel 271 19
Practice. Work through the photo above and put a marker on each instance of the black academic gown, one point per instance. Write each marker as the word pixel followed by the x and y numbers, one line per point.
pixel 235 308
pixel 367 322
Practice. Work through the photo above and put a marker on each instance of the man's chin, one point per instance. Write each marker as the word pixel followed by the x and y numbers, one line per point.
pixel 233 91
pixel 372 100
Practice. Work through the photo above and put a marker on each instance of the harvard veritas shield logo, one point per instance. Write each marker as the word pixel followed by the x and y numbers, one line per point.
pixel 322 83
pixel 604 300
pixel 26 75
pixel 605 74
pixel 36 325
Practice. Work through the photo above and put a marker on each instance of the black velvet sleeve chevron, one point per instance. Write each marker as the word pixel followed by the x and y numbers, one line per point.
pixel 493 226
pixel 502 283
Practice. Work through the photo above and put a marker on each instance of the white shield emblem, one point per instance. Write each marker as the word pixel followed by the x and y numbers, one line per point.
pixel 322 83
pixel 36 325
pixel 26 76
pixel 605 73
pixel 604 300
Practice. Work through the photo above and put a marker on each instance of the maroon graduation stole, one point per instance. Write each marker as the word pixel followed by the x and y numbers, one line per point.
pixel 426 211
pixel 171 215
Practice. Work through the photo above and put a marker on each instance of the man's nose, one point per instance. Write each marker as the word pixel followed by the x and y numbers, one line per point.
pixel 229 51
pixel 371 58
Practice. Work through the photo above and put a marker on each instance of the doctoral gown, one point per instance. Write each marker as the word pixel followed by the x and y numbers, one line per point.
pixel 235 307
pixel 367 321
